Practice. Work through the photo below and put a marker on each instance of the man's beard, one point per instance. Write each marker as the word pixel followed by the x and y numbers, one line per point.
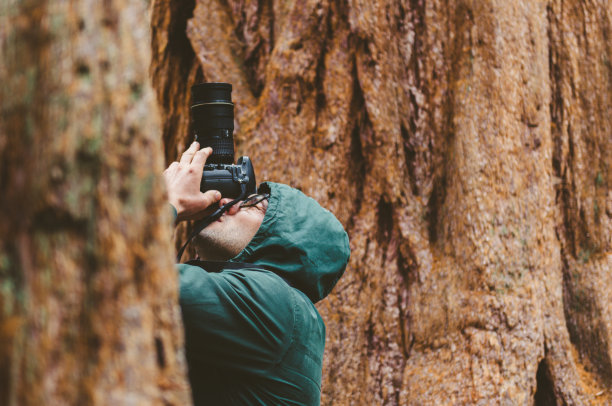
pixel 218 244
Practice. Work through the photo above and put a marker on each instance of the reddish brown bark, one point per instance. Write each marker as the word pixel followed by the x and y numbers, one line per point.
pixel 465 147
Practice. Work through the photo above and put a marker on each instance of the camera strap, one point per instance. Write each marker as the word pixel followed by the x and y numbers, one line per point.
pixel 205 222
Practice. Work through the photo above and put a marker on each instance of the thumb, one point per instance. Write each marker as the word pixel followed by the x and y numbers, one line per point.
pixel 210 197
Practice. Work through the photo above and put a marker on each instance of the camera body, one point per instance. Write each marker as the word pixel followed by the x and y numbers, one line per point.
pixel 212 113
pixel 228 178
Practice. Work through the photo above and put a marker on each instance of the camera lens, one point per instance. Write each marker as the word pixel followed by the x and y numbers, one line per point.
pixel 211 92
pixel 212 112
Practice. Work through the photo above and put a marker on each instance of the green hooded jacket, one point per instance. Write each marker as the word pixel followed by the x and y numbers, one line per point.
pixel 253 336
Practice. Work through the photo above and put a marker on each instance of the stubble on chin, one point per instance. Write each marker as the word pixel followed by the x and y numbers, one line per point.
pixel 217 244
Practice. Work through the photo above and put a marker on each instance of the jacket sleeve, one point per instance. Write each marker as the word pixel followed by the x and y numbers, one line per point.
pixel 174 212
pixel 236 320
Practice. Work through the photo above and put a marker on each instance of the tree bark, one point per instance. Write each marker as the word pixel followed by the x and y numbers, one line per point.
pixel 88 291
pixel 465 146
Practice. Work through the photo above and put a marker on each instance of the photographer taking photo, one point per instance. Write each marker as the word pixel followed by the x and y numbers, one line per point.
pixel 253 335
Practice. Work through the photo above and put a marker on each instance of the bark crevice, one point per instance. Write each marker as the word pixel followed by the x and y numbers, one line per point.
pixel 545 393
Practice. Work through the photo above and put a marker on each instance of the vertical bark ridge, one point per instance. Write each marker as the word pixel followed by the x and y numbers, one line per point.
pixel 581 125
pixel 172 81
pixel 88 281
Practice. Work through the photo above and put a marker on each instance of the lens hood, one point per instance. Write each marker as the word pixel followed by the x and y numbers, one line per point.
pixel 215 92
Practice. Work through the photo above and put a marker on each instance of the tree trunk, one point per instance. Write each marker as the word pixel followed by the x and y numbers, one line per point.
pixel 465 146
pixel 88 292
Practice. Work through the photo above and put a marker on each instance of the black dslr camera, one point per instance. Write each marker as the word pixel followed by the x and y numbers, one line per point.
pixel 212 112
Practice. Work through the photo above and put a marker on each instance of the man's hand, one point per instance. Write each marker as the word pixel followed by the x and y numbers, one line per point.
pixel 183 183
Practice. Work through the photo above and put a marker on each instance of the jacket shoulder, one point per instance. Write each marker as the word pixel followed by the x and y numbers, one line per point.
pixel 242 319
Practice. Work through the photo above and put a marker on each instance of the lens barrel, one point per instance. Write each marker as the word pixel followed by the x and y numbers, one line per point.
pixel 212 112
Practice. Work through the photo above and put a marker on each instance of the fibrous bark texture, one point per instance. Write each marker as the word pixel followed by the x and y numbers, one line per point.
pixel 465 146
pixel 88 291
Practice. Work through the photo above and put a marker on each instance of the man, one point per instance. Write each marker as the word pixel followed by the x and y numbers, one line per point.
pixel 253 335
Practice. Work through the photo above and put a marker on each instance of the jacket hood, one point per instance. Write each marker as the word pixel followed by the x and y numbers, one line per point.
pixel 300 241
